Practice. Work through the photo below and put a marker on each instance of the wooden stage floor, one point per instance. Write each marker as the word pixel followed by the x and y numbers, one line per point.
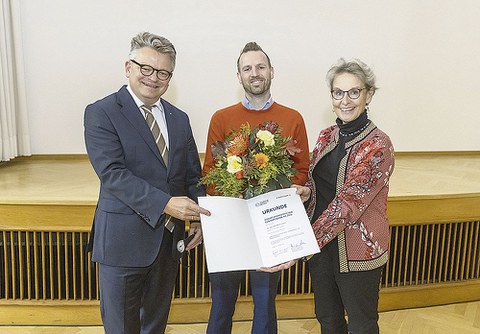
pixel 463 318
pixel 71 179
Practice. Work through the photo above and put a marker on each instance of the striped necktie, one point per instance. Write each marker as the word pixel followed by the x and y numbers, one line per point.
pixel 162 147
pixel 157 134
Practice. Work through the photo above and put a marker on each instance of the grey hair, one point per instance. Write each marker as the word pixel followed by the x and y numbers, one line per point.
pixel 158 43
pixel 252 46
pixel 356 67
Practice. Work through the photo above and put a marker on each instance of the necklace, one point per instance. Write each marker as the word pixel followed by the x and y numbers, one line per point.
pixel 354 133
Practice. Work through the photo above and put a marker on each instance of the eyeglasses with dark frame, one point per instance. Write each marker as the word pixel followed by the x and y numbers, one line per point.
pixel 354 93
pixel 148 70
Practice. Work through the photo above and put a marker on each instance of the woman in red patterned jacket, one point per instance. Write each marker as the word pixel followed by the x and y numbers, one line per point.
pixel 347 192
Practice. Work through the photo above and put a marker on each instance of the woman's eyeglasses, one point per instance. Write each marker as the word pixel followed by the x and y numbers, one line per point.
pixel 354 93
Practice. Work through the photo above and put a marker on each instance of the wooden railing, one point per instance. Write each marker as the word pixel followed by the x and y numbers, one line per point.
pixel 47 277
pixel 54 265
pixel 45 264
pixel 432 254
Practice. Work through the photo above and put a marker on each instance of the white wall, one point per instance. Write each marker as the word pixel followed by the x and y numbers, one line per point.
pixel 425 54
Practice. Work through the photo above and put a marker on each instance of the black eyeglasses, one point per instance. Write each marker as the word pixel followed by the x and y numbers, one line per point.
pixel 148 70
pixel 354 93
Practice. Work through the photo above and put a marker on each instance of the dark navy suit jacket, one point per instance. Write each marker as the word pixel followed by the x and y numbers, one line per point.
pixel 135 184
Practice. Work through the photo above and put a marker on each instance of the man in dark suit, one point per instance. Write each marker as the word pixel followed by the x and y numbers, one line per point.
pixel 143 151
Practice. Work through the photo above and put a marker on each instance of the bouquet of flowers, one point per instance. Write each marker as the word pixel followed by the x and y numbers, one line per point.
pixel 251 162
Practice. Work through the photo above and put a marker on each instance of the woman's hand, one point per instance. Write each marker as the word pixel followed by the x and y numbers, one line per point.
pixel 304 192
pixel 280 267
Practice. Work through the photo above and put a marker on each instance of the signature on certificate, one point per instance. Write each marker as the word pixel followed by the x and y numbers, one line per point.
pixel 298 246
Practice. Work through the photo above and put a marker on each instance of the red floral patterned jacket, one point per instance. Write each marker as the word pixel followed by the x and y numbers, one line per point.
pixel 357 215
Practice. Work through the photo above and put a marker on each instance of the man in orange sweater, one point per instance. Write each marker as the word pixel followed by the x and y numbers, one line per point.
pixel 255 74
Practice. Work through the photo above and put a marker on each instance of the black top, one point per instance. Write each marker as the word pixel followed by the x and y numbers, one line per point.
pixel 325 172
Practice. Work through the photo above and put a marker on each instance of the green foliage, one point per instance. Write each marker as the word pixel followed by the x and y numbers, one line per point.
pixel 249 163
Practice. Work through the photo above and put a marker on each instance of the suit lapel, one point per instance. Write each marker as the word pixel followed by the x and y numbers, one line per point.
pixel 130 110
pixel 171 128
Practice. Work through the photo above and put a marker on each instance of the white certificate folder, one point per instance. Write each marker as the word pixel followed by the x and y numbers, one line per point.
pixel 263 231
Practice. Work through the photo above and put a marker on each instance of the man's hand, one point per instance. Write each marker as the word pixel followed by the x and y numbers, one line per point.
pixel 280 267
pixel 183 208
pixel 195 229
pixel 304 192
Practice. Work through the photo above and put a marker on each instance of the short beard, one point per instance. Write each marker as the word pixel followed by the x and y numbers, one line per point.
pixel 257 91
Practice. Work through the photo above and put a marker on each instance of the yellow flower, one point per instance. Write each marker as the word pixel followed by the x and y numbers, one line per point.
pixel 266 137
pixel 261 159
pixel 251 161
pixel 234 164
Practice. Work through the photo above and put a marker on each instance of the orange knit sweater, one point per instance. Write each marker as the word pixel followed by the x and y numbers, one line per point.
pixel 289 120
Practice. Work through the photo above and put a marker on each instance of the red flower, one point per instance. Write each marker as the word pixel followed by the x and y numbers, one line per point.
pixel 269 126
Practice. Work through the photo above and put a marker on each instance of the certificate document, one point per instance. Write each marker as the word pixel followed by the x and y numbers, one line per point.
pixel 263 231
